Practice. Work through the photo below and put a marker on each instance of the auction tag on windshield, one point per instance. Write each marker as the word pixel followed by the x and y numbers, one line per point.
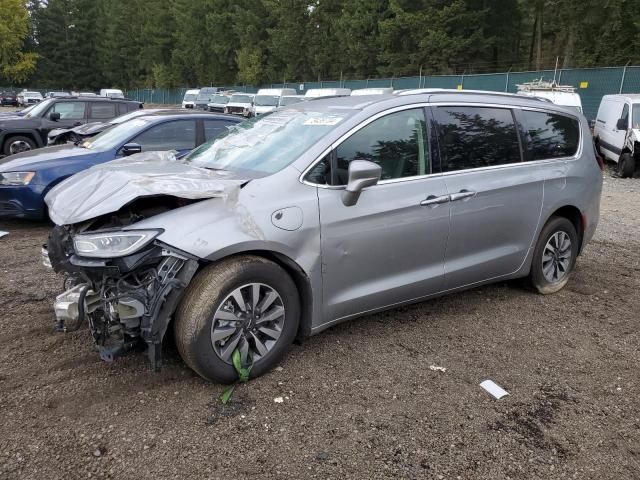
pixel 322 121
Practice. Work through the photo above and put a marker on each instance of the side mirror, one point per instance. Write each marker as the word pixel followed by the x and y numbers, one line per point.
pixel 54 116
pixel 131 148
pixel 621 124
pixel 362 174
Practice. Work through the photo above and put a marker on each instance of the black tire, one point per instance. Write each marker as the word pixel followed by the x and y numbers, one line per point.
pixel 626 165
pixel 17 138
pixel 194 316
pixel 537 276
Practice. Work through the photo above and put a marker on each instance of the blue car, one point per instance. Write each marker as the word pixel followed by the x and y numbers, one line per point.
pixel 25 178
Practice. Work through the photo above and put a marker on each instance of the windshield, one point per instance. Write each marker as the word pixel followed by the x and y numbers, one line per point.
pixel 265 144
pixel 189 97
pixel 220 99
pixel 241 99
pixel 204 96
pixel 284 101
pixel 266 101
pixel 32 94
pixel 635 116
pixel 39 108
pixel 114 136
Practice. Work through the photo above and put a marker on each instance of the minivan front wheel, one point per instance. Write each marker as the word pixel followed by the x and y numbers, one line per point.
pixel 626 165
pixel 247 303
pixel 554 256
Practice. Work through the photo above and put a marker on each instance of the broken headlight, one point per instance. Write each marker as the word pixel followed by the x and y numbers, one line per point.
pixel 16 178
pixel 112 244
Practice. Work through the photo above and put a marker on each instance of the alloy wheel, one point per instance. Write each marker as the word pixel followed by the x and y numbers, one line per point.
pixel 18 146
pixel 251 319
pixel 556 257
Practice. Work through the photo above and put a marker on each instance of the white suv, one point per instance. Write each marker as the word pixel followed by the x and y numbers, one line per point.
pixel 617 131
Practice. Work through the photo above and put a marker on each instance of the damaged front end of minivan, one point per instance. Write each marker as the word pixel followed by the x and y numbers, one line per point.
pixel 121 280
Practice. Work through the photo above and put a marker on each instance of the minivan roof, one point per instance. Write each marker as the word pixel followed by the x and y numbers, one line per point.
pixel 335 104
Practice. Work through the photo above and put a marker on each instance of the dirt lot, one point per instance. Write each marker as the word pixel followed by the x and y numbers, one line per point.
pixel 359 400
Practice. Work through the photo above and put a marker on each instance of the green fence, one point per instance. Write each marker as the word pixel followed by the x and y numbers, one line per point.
pixel 590 83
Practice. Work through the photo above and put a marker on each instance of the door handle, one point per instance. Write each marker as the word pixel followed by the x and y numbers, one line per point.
pixel 461 195
pixel 432 200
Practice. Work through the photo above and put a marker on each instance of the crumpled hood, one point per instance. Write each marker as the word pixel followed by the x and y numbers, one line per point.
pixel 85 129
pixel 107 187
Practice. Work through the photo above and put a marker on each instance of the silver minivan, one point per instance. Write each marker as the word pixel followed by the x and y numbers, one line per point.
pixel 318 213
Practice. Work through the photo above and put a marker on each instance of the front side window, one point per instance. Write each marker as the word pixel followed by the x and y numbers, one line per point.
pixel 396 142
pixel 475 137
pixel 176 135
pixel 635 117
pixel 69 110
pixel 551 135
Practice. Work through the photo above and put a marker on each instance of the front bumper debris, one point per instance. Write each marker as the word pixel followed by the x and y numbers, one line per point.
pixel 126 301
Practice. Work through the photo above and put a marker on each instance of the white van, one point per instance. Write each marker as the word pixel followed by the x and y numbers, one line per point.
pixel 111 92
pixel 327 92
pixel 371 91
pixel 564 95
pixel 617 131
pixel 267 99
pixel 190 97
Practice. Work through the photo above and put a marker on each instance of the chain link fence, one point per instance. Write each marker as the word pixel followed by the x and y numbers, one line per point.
pixel 590 83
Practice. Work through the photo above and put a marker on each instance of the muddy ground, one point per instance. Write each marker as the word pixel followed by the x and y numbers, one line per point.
pixel 360 400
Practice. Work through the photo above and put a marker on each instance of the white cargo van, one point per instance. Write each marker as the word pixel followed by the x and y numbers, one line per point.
pixel 564 95
pixel 617 131
pixel 190 97
pixel 372 91
pixel 327 92
pixel 111 92
pixel 267 99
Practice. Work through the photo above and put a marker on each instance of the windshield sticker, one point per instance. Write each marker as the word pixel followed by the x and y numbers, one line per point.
pixel 323 121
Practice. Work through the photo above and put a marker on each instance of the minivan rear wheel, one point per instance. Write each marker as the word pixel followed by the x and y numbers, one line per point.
pixel 554 256
pixel 626 165
pixel 246 303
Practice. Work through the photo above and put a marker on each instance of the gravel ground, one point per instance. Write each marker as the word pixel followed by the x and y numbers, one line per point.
pixel 359 400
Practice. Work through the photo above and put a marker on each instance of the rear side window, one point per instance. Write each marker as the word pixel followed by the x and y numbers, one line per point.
pixel 475 137
pixel 102 111
pixel 551 135
pixel 122 108
pixel 172 135
pixel 213 128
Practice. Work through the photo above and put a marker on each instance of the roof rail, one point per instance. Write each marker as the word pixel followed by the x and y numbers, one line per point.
pixel 417 91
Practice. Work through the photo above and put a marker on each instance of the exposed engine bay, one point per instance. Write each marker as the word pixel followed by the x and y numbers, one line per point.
pixel 129 300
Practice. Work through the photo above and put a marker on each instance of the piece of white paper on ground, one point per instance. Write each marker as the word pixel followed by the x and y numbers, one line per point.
pixel 2 234
pixel 496 390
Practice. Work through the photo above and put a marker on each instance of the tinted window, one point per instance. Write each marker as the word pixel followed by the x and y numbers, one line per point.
pixel 69 110
pixel 122 108
pixel 473 137
pixel 133 106
pixel 213 128
pixel 396 142
pixel 176 135
pixel 551 135
pixel 103 111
